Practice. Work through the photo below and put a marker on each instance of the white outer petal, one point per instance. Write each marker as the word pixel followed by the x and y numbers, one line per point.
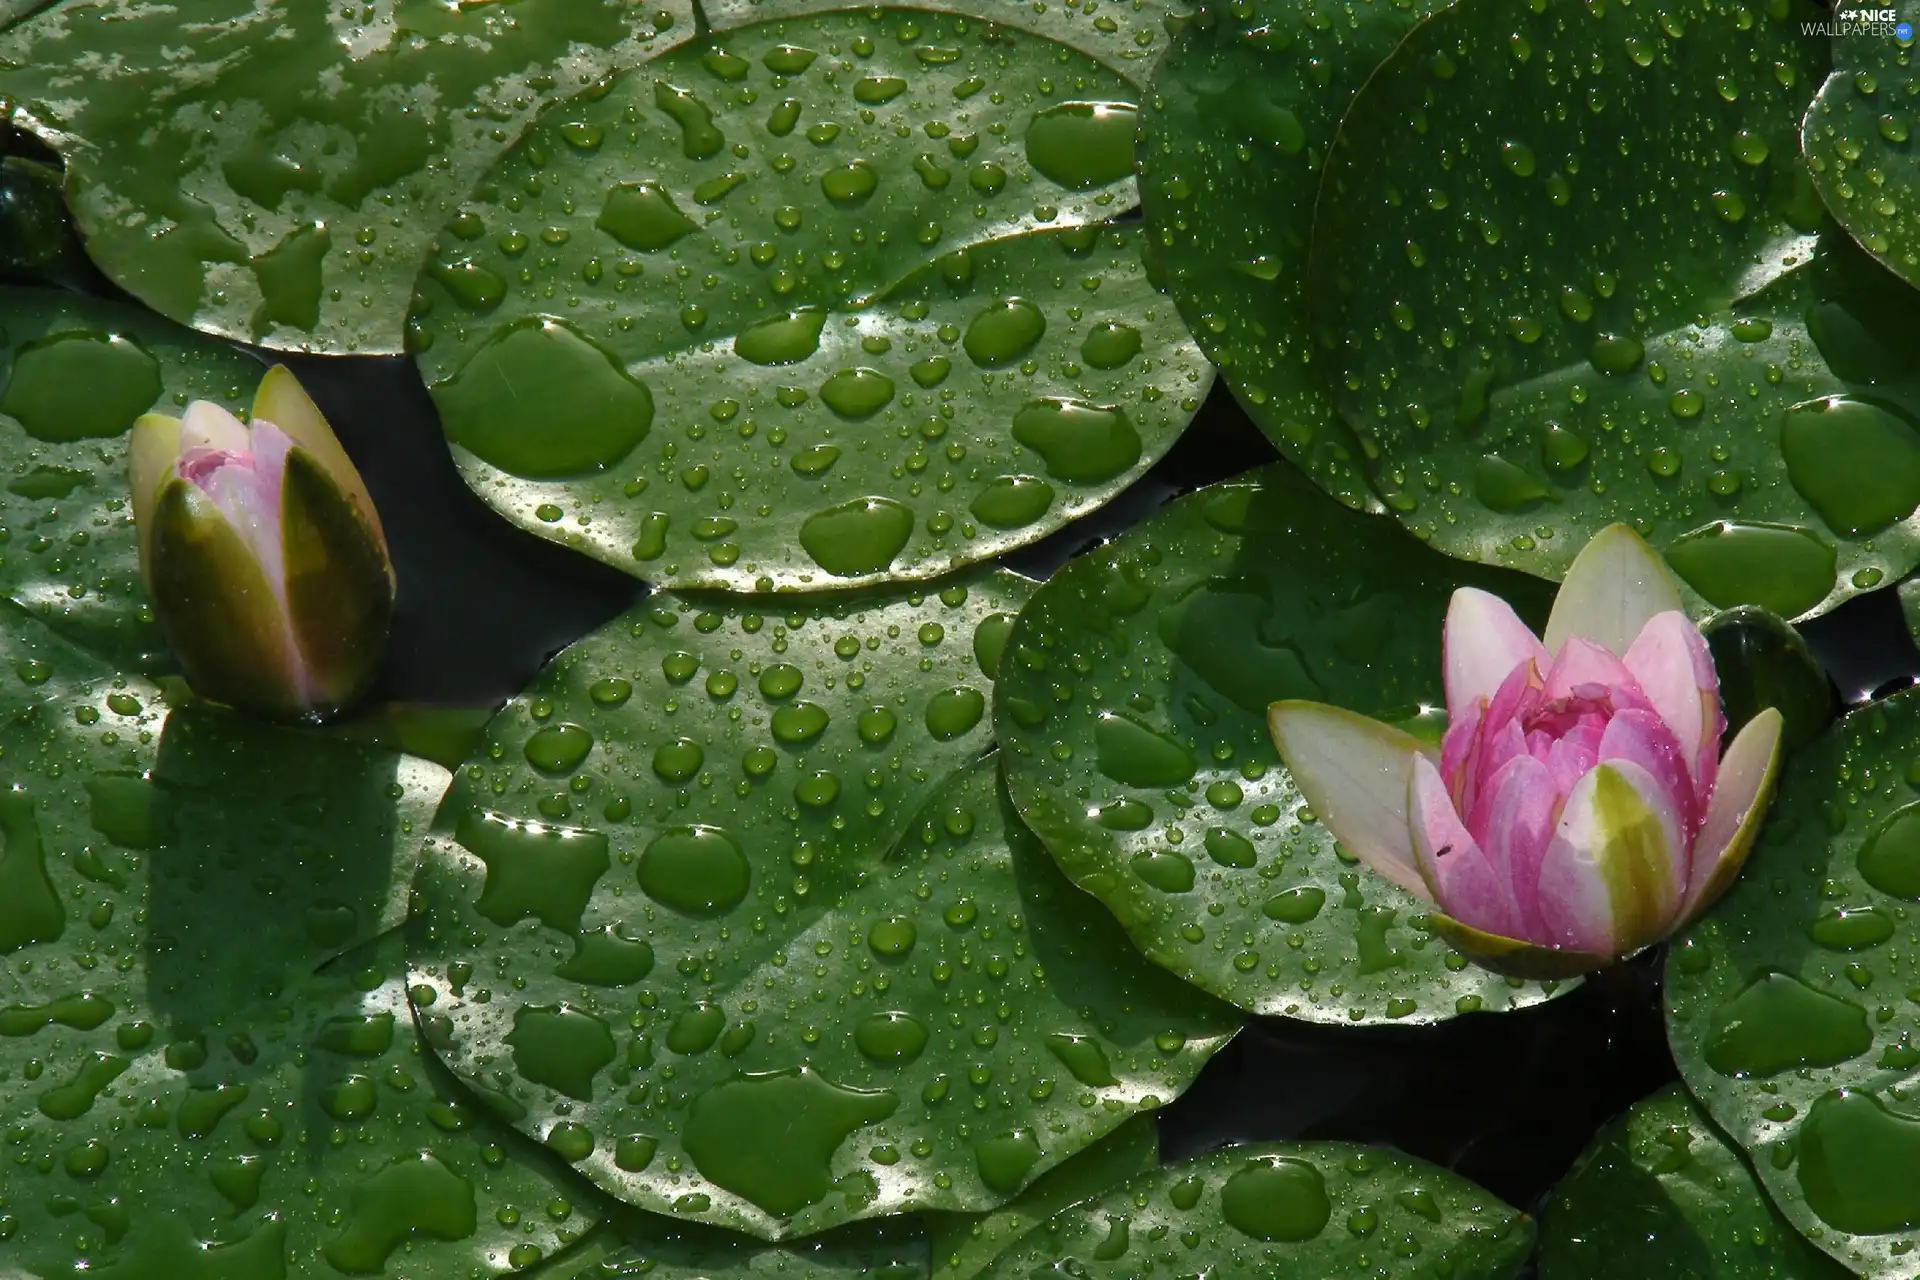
pixel 1614 586
pixel 1354 773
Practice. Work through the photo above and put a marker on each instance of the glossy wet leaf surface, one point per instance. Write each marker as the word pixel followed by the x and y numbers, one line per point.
pixel 1858 141
pixel 1534 357
pixel 277 180
pixel 1787 1005
pixel 717 871
pixel 1132 710
pixel 74 374
pixel 1129 37
pixel 643 1245
pixel 811 303
pixel 1283 1209
pixel 1660 1195
pixel 209 1069
pixel 1236 132
pixel 964 1244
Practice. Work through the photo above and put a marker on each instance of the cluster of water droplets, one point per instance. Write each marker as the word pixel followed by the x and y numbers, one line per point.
pixel 1331 1207
pixel 1790 1009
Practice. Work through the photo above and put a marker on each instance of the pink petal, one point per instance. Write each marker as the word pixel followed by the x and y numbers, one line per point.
pixel 1354 774
pixel 1644 739
pixel 207 425
pixel 1463 883
pixel 1735 811
pixel 1459 742
pixel 1507 743
pixel 1613 878
pixel 1671 661
pixel 1612 588
pixel 1482 642
pixel 1584 670
pixel 1519 821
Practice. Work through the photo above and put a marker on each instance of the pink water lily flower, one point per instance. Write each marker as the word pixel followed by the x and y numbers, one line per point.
pixel 1578 807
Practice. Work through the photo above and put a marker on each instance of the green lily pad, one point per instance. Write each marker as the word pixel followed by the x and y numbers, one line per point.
pixel 1857 141
pixel 811 303
pixel 965 1244
pixel 1282 1209
pixel 208 1066
pixel 1528 357
pixel 278 182
pixel 1787 1004
pixel 1660 1195
pixel 717 872
pixel 1132 708
pixel 1244 110
pixel 663 1249
pixel 74 374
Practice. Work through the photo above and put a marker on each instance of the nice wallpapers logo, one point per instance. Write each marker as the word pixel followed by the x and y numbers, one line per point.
pixel 1884 23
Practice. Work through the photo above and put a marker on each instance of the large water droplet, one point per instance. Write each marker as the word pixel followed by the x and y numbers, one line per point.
pixel 642 216
pixel 697 871
pixel 558 748
pixel 533 870
pixel 1079 442
pixel 1856 1163
pixel 80 386
pixel 1083 144
pixel 1778 567
pixel 857 393
pixel 1083 1057
pixel 1003 332
pixel 1278 1199
pixel 1131 753
pixel 786 339
pixel 1890 860
pixel 540 400
pixel 560 1047
pixel 1778 1023
pixel 413 1195
pixel 858 537
pixel 726 1134
pixel 1004 1161
pixel 1857 463
pixel 891 1038
pixel 1012 502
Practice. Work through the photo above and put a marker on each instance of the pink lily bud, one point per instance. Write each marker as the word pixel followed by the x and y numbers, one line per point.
pixel 263 553
pixel 1579 807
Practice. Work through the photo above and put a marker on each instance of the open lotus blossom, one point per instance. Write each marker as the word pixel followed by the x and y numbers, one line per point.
pixel 263 553
pixel 1578 807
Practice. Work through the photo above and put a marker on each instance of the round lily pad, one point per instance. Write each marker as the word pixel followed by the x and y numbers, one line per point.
pixel 1528 357
pixel 1281 1209
pixel 74 374
pixel 1661 1195
pixel 1132 709
pixel 1787 1005
pixel 208 1065
pixel 277 179
pixel 1857 138
pixel 811 303
pixel 716 873
pixel 1244 109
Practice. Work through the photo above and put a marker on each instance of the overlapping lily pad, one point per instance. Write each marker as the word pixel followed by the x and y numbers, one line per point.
pixel 277 177
pixel 811 303
pixel 200 1075
pixel 1788 1006
pixel 717 873
pixel 1530 357
pixel 1236 133
pixel 1132 704
pixel 965 1244
pixel 1660 1195
pixel 661 1249
pixel 1282 1209
pixel 74 374
pixel 1857 137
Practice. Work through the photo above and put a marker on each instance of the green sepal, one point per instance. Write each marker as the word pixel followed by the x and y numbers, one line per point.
pixel 339 597
pixel 217 607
